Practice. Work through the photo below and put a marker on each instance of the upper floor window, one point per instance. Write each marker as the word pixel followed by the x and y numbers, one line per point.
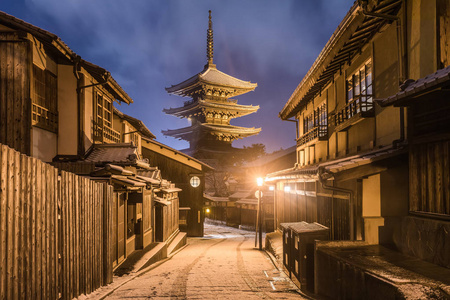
pixel 103 110
pixel 316 119
pixel 308 123
pixel 103 113
pixel 44 100
pixel 359 88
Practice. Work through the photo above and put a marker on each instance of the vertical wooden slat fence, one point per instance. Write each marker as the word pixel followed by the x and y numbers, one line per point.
pixel 55 231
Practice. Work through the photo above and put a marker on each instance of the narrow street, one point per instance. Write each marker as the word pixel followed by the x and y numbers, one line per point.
pixel 224 264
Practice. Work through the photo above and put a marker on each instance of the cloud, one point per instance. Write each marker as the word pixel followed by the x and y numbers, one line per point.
pixel 150 45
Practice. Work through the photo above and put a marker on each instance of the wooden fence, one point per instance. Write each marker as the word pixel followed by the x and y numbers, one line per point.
pixel 54 230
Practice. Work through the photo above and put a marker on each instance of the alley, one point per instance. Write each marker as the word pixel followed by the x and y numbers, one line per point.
pixel 222 265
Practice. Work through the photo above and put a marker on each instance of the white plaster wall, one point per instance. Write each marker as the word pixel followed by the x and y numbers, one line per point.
pixel 44 145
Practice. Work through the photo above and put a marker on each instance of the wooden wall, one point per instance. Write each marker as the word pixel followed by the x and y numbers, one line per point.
pixel 44 216
pixel 179 174
pixel 15 103
pixel 429 176
pixel 303 203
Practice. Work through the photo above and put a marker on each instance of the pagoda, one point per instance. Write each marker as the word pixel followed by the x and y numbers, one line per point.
pixel 210 109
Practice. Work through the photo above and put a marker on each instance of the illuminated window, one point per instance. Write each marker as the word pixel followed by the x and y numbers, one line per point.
pixel 359 89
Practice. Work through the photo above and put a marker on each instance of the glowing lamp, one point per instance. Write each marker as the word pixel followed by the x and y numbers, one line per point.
pixel 259 181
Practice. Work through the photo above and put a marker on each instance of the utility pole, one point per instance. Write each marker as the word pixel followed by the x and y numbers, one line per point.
pixel 260 182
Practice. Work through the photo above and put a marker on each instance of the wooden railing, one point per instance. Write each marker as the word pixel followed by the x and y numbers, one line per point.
pixel 106 134
pixel 44 118
pixel 354 108
pixel 320 132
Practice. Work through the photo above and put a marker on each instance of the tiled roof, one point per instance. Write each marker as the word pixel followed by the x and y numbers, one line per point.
pixel 215 199
pixel 58 46
pixel 113 153
pixel 212 76
pixel 136 123
pixel 241 194
pixel 335 166
pixel 270 157
pixel 413 88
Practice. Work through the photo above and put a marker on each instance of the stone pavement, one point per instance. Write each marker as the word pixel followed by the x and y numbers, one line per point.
pixel 224 264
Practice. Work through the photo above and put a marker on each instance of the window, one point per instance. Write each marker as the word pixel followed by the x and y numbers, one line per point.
pixel 317 119
pixel 321 119
pixel 103 110
pixel 103 113
pixel 359 89
pixel 44 100
pixel 308 123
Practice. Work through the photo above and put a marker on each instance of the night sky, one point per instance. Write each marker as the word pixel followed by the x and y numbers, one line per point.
pixel 148 45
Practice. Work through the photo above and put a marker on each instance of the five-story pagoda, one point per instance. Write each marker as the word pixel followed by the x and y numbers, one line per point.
pixel 211 109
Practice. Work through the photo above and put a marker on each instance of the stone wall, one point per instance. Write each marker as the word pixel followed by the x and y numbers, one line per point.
pixel 424 238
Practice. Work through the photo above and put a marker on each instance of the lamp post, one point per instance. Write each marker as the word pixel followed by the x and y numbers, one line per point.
pixel 260 182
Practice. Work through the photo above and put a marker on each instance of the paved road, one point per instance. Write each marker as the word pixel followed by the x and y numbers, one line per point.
pixel 222 265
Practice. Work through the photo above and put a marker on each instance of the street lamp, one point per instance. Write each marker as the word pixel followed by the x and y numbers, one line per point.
pixel 259 182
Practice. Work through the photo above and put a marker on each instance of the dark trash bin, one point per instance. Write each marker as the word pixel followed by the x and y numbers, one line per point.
pixel 287 245
pixel 303 236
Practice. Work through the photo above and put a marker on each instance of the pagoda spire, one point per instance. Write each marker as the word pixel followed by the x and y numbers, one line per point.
pixel 209 42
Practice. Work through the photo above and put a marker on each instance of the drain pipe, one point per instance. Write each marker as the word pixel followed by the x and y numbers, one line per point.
pixel 81 105
pixel 296 127
pixel 323 176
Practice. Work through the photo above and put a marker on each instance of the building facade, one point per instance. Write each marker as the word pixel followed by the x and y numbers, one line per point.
pixel 353 172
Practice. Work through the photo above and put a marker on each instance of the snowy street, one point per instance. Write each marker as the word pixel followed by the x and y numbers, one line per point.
pixel 222 265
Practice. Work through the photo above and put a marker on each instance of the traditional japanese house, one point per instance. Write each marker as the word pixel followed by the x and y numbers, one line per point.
pixel 186 172
pixel 63 113
pixel 211 109
pixel 353 172
pixel 351 169
pixel 428 113
pixel 63 104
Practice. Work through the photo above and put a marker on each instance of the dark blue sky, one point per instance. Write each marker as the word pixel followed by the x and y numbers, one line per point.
pixel 148 45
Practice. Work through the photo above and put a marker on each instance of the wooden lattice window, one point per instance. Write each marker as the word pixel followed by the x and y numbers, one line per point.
pixel 44 100
pixel 308 123
pixel 103 113
pixel 359 87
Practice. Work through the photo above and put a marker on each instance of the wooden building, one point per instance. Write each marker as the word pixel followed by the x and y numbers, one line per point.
pixel 186 172
pixel 364 169
pixel 210 110
pixel 62 103
pixel 426 100
pixel 58 108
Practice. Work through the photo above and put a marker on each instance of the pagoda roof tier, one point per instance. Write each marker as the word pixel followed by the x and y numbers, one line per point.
pixel 223 132
pixel 212 82
pixel 195 107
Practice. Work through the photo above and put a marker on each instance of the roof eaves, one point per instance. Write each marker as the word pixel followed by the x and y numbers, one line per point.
pixel 340 35
pixel 207 167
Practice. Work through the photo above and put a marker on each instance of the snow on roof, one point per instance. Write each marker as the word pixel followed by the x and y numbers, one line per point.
pixel 412 88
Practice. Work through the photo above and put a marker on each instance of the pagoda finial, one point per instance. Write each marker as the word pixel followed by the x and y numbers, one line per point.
pixel 210 42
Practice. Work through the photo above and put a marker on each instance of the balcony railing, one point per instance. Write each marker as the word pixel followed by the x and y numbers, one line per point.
pixel 44 118
pixel 360 107
pixel 319 132
pixel 105 134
